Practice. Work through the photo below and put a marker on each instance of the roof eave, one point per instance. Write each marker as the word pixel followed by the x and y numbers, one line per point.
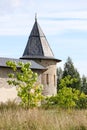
pixel 40 58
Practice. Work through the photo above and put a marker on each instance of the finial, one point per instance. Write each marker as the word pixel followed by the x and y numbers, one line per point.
pixel 35 17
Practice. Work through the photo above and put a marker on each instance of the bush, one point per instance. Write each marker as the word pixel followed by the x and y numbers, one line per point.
pixel 82 102
pixel 67 98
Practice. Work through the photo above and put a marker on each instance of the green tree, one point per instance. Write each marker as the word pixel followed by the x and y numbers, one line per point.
pixel 84 84
pixel 67 82
pixel 69 69
pixel 67 97
pixel 25 80
pixel 59 76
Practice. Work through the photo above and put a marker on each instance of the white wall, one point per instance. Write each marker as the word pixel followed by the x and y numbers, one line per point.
pixel 7 92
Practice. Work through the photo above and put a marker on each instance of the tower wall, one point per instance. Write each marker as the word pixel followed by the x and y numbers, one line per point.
pixel 49 77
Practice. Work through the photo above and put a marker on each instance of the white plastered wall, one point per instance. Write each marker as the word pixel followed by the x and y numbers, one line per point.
pixel 7 92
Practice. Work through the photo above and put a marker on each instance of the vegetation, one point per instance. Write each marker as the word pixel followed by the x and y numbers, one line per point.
pixel 59 76
pixel 72 90
pixel 70 70
pixel 69 94
pixel 25 80
pixel 57 113
pixel 84 84
pixel 17 118
pixel 67 97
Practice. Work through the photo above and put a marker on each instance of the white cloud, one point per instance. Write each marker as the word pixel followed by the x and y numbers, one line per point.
pixel 41 7
pixel 15 24
pixel 16 3
pixel 67 14
pixel 19 14
pixel 22 24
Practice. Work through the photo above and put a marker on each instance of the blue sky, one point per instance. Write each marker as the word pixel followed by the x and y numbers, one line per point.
pixel 64 23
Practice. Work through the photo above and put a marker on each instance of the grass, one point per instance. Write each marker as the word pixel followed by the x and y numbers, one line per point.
pixel 17 118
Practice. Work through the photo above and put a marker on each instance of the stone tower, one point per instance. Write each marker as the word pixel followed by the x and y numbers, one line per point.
pixel 38 49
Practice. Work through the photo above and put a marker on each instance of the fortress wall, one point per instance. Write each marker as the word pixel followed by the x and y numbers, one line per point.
pixel 9 92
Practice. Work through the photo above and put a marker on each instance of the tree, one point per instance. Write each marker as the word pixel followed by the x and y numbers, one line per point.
pixel 59 76
pixel 67 82
pixel 25 80
pixel 68 97
pixel 69 69
pixel 84 84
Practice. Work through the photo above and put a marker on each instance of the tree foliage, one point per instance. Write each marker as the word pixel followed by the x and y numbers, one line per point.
pixel 59 76
pixel 70 70
pixel 68 97
pixel 25 80
pixel 84 84
pixel 66 94
pixel 71 89
pixel 67 82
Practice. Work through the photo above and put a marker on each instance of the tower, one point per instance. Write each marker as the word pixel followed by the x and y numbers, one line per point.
pixel 38 49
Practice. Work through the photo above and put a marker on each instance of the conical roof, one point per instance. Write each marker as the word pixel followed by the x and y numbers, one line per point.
pixel 37 45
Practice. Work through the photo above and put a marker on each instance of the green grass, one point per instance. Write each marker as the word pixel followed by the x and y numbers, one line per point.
pixel 17 118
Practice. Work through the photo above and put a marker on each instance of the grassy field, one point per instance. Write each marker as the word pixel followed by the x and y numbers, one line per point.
pixel 16 118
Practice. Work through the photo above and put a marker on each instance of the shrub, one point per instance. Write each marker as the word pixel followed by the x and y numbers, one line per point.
pixel 81 103
pixel 66 98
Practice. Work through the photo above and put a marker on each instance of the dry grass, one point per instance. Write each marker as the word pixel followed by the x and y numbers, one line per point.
pixel 38 119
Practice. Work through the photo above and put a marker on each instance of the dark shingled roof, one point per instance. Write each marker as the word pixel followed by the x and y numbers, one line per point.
pixel 34 65
pixel 37 46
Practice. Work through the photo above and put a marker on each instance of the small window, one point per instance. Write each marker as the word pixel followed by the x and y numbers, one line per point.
pixel 47 79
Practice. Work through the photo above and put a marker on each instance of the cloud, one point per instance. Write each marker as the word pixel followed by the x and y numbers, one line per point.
pixel 41 7
pixel 15 25
pixel 16 6
pixel 55 17
pixel 67 15
pixel 16 3
pixel 21 25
